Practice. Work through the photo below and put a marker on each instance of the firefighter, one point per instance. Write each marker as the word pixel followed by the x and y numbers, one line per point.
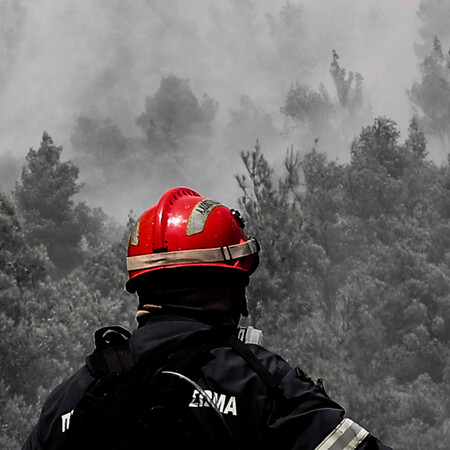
pixel 189 262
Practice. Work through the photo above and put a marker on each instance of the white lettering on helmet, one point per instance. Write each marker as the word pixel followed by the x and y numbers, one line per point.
pixel 199 216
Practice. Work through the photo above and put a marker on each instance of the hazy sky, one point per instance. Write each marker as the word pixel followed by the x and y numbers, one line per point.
pixel 62 58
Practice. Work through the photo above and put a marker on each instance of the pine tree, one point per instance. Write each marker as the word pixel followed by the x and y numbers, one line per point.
pixel 432 94
pixel 45 197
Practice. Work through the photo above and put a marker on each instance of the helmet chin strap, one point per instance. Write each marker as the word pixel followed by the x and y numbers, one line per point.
pixel 226 253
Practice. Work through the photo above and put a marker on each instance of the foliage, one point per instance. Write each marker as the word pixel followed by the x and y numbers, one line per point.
pixel 9 171
pixel 45 200
pixel 51 218
pixel 102 151
pixel 354 278
pixel 321 116
pixel 432 94
pixel 16 416
pixel 174 113
pixel 44 318
pixel 349 87
pixel 355 275
pixel 434 15
pixel 304 104
pixel 101 139
pixel 23 269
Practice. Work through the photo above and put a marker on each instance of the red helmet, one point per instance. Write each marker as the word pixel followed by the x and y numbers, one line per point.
pixel 185 229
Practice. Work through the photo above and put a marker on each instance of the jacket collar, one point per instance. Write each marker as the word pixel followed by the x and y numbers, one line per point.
pixel 161 331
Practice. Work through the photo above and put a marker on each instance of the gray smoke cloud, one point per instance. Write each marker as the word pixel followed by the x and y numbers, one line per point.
pixel 62 59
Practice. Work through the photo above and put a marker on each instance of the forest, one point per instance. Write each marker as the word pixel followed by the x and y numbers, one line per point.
pixel 354 280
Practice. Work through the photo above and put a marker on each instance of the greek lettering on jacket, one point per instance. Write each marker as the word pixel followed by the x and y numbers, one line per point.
pixel 65 419
pixel 226 404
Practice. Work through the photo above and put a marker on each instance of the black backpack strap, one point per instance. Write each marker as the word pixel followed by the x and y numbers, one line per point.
pixel 111 335
pixel 270 379
pixel 112 356
pixel 112 353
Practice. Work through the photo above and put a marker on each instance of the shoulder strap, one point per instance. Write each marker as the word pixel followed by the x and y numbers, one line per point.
pixel 252 360
pixel 112 353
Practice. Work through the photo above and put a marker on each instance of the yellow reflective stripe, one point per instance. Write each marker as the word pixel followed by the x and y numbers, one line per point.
pixel 346 436
pixel 226 253
pixel 199 215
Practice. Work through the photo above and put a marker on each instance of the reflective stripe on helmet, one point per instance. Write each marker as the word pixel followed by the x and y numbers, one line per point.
pixel 346 436
pixel 226 253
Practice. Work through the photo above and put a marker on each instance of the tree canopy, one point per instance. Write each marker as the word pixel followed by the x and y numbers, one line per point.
pixel 319 115
pixel 355 276
pixel 174 113
pixel 432 94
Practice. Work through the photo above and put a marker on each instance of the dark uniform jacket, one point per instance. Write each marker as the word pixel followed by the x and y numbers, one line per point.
pixel 305 419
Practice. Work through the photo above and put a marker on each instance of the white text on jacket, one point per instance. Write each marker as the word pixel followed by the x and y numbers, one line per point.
pixel 225 404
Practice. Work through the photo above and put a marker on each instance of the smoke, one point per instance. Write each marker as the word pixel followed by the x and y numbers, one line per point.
pixel 101 59
pixel 375 39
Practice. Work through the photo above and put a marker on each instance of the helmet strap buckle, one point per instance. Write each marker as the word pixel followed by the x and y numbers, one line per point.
pixel 226 252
